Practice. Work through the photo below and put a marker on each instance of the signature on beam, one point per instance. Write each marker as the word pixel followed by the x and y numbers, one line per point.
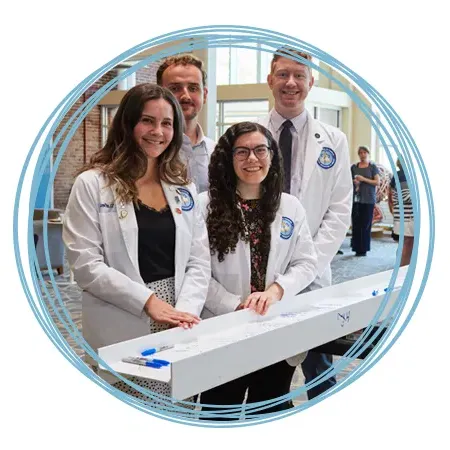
pixel 343 317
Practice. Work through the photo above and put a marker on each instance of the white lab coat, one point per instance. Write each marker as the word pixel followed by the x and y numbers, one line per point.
pixel 325 193
pixel 292 260
pixel 101 237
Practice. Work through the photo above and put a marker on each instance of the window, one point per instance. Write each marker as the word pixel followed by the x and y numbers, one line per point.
pixel 243 67
pixel 383 157
pixel 238 65
pixel 382 151
pixel 247 66
pixel 329 116
pixel 231 112
pixel 222 66
pixel 107 115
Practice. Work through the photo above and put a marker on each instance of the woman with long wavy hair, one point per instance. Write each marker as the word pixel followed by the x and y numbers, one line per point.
pixel 136 241
pixel 261 247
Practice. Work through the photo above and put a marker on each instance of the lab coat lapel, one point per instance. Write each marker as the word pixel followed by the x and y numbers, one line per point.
pixel 274 247
pixel 314 145
pixel 239 263
pixel 175 202
pixel 128 226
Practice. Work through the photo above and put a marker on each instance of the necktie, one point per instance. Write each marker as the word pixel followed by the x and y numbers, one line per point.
pixel 286 150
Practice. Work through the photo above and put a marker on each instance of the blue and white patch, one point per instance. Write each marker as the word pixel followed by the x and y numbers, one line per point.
pixel 287 228
pixel 187 202
pixel 327 158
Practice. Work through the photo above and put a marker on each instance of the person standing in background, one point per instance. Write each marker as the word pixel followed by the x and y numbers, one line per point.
pixel 366 177
pixel 408 213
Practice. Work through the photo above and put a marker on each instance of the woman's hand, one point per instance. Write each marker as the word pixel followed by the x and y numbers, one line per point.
pixel 260 301
pixel 162 312
pixel 187 325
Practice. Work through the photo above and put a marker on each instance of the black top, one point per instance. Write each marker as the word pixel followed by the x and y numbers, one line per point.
pixel 401 178
pixel 156 242
pixel 255 225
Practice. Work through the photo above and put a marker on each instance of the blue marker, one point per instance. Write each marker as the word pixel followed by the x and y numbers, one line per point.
pixel 375 292
pixel 161 362
pixel 145 362
pixel 152 350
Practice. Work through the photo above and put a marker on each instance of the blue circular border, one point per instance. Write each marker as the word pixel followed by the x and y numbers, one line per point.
pixel 396 135
pixel 291 229
pixel 333 158
pixel 187 195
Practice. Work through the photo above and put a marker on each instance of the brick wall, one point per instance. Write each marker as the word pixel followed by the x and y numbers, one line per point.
pixel 87 138
pixel 148 74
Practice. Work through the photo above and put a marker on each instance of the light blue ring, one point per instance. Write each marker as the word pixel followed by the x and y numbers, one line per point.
pixel 256 31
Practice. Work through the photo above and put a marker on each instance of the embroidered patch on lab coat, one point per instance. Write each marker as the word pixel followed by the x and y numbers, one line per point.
pixel 327 158
pixel 187 202
pixel 287 228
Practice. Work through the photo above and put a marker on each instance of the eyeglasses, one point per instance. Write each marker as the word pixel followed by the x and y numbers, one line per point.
pixel 242 153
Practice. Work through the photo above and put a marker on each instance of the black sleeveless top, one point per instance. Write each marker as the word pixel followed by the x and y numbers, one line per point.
pixel 156 242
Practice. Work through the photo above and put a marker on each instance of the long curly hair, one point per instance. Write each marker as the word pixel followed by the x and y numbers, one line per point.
pixel 224 220
pixel 122 160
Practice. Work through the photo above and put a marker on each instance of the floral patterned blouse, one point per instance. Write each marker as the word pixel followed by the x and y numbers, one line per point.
pixel 254 225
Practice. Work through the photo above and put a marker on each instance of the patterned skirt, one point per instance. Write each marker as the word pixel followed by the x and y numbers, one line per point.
pixel 165 290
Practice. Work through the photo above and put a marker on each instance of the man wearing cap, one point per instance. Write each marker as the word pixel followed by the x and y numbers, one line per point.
pixel 185 76
pixel 316 164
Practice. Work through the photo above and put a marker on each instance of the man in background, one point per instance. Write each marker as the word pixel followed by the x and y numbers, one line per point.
pixel 185 77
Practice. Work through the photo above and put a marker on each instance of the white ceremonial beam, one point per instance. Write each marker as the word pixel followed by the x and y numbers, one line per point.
pixel 224 348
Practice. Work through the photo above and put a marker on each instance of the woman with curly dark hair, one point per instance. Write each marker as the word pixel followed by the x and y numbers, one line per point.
pixel 122 224
pixel 260 244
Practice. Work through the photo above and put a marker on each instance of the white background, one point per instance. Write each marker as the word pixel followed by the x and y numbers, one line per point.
pixel 398 47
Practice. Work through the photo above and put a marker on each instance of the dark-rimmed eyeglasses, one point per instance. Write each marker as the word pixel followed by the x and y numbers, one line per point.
pixel 242 153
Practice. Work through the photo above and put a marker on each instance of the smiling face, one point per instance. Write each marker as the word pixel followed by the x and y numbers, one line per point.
pixel 290 83
pixel 154 131
pixel 185 82
pixel 251 171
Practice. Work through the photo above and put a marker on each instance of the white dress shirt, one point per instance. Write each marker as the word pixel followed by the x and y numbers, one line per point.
pixel 299 138
pixel 196 157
